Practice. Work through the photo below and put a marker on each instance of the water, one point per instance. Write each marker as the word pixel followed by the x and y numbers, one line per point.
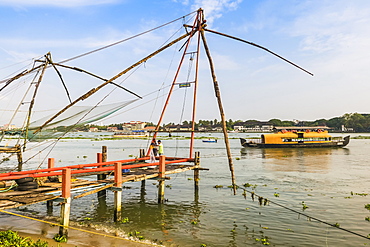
pixel 331 182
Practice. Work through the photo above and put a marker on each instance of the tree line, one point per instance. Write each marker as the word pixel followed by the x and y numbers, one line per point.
pixel 355 122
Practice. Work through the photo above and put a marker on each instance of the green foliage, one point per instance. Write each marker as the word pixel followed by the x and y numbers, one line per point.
pixel 367 206
pixel 304 206
pixel 60 238
pixel 12 239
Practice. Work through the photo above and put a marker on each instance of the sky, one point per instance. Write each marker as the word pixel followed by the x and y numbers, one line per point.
pixel 328 38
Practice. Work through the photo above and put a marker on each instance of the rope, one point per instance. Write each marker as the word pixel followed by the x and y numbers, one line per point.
pixel 7 189
pixel 300 213
pixel 121 41
pixel 73 228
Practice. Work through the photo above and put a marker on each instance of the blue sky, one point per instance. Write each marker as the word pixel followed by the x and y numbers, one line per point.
pixel 329 38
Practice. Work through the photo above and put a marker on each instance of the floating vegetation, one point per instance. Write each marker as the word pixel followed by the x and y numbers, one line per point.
pixel 276 194
pixel 10 239
pixel 190 178
pixel 367 206
pixel 59 238
pixel 361 194
pixel 218 186
pixel 136 235
pixel 168 186
pixel 304 206
pixel 367 218
pixel 194 222
pixel 337 225
pixel 125 220
pixel 248 185
pixel 237 158
pixel 264 240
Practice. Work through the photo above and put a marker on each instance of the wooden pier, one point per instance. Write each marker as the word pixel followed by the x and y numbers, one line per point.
pixel 62 184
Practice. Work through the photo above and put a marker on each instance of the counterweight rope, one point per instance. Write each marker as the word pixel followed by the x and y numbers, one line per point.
pixel 265 201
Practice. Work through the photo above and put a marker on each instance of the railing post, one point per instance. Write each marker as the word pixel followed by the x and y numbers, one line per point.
pixel 161 178
pixel 66 205
pixel 51 163
pixel 118 191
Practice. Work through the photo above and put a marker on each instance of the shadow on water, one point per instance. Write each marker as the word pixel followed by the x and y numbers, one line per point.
pixel 312 160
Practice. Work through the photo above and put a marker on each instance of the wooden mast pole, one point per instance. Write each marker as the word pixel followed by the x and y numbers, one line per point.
pixel 218 96
pixel 198 27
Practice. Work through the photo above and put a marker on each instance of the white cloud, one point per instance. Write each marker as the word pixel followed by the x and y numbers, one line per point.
pixel 57 3
pixel 213 9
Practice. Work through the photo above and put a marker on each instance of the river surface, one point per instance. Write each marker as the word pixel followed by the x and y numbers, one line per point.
pixel 302 186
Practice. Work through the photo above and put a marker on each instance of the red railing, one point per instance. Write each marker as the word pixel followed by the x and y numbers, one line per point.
pixel 86 168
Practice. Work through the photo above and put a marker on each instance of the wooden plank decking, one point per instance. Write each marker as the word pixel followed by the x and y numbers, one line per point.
pixel 50 191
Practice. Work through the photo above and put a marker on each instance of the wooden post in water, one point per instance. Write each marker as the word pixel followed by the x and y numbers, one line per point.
pixel 142 154
pixel 117 191
pixel 66 205
pixel 161 178
pixel 196 171
pixel 103 158
pixel 49 204
pixel 19 157
pixel 196 176
pixel 218 96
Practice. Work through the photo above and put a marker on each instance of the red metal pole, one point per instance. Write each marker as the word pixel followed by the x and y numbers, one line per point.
pixel 51 163
pixel 118 174
pixel 66 183
pixel 99 157
pixel 162 166
pixel 172 86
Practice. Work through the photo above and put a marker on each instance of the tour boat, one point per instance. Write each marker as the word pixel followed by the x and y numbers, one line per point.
pixel 297 137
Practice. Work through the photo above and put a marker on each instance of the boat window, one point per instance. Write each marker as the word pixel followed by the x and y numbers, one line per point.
pixel 300 135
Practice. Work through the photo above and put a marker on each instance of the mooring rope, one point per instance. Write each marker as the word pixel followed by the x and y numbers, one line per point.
pixel 264 201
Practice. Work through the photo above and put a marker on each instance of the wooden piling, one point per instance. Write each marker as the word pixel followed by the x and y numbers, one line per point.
pixel 142 154
pixel 66 204
pixel 117 191
pixel 196 171
pixel 161 178
pixel 49 204
pixel 19 157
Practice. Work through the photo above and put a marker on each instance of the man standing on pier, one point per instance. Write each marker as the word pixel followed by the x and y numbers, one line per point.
pixel 160 148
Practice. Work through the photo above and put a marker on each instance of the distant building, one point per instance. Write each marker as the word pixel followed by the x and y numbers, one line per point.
pixel 112 129
pixel 150 128
pixel 93 129
pixel 134 125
